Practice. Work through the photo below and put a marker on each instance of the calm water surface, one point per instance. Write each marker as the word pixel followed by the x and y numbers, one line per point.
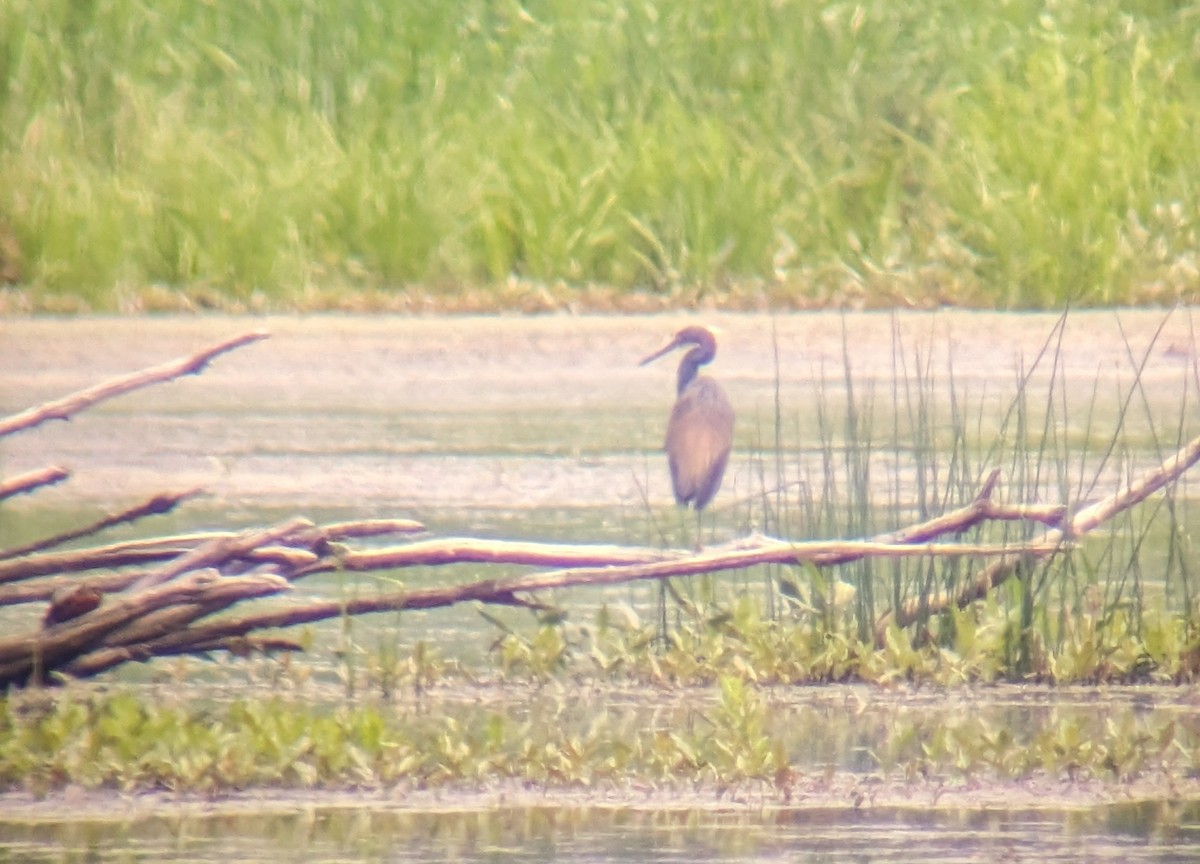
pixel 1126 832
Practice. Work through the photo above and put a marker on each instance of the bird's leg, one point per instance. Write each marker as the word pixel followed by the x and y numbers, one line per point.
pixel 662 613
pixel 699 530
pixel 683 526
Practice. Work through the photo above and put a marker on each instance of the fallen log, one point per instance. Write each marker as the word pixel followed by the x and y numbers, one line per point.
pixel 163 612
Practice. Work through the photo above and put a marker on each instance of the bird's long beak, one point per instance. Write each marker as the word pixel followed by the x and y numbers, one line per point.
pixel 670 345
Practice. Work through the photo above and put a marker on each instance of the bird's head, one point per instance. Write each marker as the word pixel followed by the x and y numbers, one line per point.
pixel 701 337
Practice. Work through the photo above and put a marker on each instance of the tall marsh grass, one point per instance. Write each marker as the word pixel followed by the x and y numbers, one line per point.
pixel 271 153
pixel 881 455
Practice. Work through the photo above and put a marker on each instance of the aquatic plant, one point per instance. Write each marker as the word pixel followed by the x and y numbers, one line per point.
pixel 727 735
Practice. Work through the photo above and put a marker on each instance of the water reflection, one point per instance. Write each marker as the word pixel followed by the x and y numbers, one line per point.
pixel 1132 832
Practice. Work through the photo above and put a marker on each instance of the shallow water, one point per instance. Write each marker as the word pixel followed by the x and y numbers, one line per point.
pixel 421 415
pixel 546 429
pixel 1128 832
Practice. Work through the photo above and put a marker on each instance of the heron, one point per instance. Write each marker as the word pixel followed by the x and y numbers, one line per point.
pixel 700 431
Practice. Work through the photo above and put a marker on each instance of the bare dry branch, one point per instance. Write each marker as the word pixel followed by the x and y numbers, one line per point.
pixel 32 480
pixel 1168 472
pixel 754 550
pixel 508 591
pixel 68 406
pixel 370 528
pixel 216 552
pixel 102 659
pixel 766 551
pixel 1051 515
pixel 1053 540
pixel 164 502
pixel 469 550
pixel 42 590
pixel 915 608
pixel 30 587
pixel 137 552
pixel 35 656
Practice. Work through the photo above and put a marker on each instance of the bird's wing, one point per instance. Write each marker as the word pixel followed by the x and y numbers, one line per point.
pixel 699 436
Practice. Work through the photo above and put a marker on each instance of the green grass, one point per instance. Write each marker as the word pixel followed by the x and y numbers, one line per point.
pixel 280 154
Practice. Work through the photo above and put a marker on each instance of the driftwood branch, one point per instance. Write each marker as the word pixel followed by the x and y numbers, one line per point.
pixel 1063 531
pixel 164 502
pixel 198 593
pixel 1137 491
pixel 743 553
pixel 217 552
pixel 369 528
pixel 168 610
pixel 68 406
pixel 31 480
pixel 156 550
pixel 508 591
pixel 22 653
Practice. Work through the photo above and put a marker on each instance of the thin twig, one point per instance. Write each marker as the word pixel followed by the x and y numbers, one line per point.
pixel 32 480
pixel 164 502
pixel 68 406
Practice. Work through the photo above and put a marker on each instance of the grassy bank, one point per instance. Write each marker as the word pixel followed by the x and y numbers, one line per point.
pixel 272 154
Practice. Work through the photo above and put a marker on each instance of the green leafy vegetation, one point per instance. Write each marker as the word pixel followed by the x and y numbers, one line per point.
pixel 614 155
pixel 971 646
pixel 726 735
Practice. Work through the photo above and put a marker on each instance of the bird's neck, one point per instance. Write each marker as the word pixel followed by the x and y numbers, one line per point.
pixel 688 367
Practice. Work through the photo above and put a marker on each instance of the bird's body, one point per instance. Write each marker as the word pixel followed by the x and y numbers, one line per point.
pixel 698 440
pixel 700 431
